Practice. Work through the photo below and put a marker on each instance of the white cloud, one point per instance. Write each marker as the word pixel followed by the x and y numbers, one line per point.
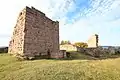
pixel 8 17
pixel 55 9
pixel 101 18
pixel 100 14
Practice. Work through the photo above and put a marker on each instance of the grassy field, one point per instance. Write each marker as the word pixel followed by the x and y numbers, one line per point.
pixel 81 67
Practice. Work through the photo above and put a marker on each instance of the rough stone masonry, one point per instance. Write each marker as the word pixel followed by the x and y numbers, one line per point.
pixel 93 41
pixel 35 34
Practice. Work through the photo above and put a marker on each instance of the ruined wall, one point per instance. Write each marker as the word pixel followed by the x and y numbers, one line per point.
pixel 68 47
pixel 35 34
pixel 42 34
pixel 99 51
pixel 16 44
pixel 96 52
pixel 93 41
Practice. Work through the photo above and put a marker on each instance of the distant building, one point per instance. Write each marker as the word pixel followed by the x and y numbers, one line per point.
pixel 68 47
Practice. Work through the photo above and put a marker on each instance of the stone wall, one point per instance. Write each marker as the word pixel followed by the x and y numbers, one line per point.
pixel 35 34
pixel 99 51
pixel 68 47
pixel 96 52
pixel 16 44
pixel 93 41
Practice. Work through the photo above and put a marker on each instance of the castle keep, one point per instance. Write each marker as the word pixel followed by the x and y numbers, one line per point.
pixel 93 41
pixel 35 34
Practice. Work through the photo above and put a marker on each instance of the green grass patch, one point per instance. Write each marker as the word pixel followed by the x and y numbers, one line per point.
pixel 50 69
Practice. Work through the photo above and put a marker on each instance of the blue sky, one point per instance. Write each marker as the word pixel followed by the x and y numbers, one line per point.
pixel 79 19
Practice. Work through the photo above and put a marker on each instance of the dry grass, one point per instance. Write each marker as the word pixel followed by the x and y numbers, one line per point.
pixel 84 69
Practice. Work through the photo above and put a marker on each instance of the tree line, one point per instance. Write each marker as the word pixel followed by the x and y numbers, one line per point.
pixel 77 44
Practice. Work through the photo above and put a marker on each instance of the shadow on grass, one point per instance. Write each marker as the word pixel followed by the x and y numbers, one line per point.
pixel 81 56
pixel 76 56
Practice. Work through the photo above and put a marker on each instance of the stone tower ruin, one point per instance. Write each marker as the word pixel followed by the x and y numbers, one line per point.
pixel 35 34
pixel 93 41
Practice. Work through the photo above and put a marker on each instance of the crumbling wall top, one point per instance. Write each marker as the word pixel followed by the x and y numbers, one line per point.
pixel 34 10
